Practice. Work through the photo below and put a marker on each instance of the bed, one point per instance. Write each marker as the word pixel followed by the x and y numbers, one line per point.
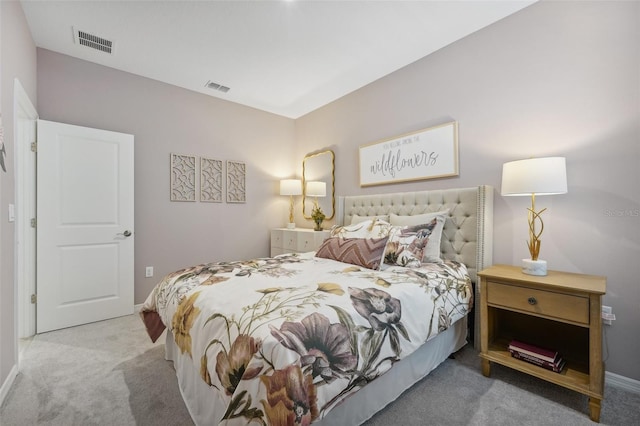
pixel 329 337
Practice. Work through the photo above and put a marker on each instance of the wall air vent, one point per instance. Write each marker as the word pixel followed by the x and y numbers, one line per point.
pixel 92 41
pixel 215 86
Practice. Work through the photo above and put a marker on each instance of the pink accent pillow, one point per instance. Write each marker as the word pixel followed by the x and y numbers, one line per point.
pixel 365 252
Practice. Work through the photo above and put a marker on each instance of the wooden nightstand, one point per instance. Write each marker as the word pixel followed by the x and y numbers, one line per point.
pixel 298 240
pixel 560 311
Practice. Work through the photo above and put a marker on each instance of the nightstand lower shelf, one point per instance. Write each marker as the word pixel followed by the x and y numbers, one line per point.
pixel 573 376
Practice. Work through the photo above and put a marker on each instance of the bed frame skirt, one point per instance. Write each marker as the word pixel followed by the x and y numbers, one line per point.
pixel 200 399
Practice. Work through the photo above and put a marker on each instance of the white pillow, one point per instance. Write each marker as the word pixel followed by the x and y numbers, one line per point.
pixel 357 219
pixel 432 252
pixel 371 228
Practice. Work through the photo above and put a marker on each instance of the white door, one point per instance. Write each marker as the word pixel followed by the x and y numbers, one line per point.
pixel 84 225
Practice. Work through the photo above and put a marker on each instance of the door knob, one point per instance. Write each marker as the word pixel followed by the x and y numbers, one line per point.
pixel 126 233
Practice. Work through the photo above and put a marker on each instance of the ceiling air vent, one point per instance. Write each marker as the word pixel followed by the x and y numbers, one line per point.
pixel 84 38
pixel 215 86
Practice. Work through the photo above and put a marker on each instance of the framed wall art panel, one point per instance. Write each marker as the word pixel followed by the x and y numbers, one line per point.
pixel 211 180
pixel 236 181
pixel 183 177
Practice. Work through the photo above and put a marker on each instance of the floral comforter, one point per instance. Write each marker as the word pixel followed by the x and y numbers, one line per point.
pixel 285 339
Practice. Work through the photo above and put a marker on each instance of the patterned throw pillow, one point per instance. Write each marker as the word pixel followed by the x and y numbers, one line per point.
pixel 407 244
pixel 365 252
pixel 432 253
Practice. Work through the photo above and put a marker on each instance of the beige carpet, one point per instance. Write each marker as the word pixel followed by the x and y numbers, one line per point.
pixel 105 373
pixel 109 373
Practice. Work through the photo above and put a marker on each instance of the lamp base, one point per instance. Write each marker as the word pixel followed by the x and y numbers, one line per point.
pixel 534 267
pixel 291 225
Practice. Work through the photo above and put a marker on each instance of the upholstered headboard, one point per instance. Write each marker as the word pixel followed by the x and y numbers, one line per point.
pixel 468 231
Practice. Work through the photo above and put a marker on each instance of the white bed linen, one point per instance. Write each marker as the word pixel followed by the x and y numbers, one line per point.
pixel 299 312
pixel 467 238
pixel 359 407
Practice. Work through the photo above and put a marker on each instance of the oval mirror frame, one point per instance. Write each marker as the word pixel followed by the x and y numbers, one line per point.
pixel 319 166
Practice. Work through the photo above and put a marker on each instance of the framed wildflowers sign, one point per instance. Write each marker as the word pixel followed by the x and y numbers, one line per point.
pixel 425 154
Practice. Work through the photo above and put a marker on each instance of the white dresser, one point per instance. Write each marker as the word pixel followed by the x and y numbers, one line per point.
pixel 298 240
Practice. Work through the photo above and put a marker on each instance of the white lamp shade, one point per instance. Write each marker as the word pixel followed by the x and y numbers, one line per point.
pixel 539 176
pixel 316 189
pixel 290 187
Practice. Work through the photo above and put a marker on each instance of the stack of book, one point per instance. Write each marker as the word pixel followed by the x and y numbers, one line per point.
pixel 545 358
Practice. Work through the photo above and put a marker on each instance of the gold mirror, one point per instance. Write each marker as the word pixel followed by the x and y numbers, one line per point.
pixel 319 167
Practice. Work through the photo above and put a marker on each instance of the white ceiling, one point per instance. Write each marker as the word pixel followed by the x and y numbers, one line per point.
pixel 285 57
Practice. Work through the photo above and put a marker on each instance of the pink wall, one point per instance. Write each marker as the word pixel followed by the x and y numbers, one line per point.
pixel 166 119
pixel 556 79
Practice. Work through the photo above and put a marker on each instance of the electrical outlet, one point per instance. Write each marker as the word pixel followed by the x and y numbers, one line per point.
pixel 607 315
pixel 148 272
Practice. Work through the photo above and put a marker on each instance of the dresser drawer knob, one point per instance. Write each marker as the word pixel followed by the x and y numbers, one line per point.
pixel 532 300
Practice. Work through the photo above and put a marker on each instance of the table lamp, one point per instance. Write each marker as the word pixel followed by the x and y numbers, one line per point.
pixel 531 177
pixel 291 187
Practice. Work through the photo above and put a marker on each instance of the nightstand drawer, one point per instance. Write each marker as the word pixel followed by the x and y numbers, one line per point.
pixel 276 238
pixel 545 303
pixel 290 240
pixel 306 242
pixel 297 240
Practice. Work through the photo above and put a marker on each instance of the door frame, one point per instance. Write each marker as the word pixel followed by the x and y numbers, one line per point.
pixel 25 188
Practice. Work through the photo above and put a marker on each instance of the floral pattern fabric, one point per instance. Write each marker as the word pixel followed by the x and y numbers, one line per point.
pixel 407 244
pixel 285 339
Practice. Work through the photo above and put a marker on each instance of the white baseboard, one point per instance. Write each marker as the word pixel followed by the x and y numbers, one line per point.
pixel 622 382
pixel 4 390
pixel 137 308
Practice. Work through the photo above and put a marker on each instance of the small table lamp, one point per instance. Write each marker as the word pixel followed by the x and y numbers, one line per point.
pixel 291 187
pixel 531 177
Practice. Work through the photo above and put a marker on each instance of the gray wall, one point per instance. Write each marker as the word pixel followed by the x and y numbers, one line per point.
pixel 166 119
pixel 557 78
pixel 18 60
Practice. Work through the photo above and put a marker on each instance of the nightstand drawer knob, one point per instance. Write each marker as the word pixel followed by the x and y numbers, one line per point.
pixel 532 300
